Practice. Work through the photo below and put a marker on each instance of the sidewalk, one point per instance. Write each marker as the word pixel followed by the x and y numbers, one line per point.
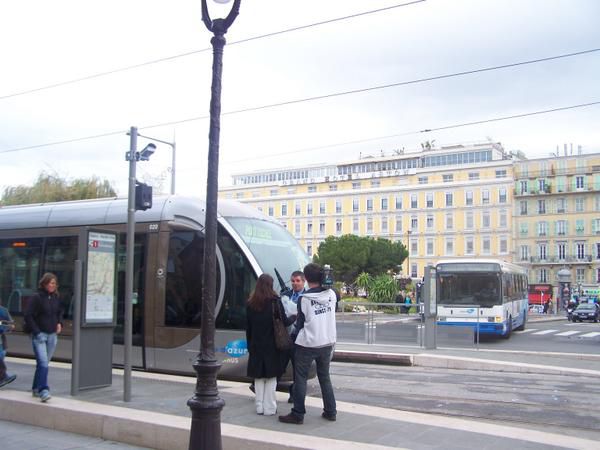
pixel 158 417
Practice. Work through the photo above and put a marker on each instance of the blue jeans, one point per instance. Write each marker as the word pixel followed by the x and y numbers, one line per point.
pixel 44 345
pixel 303 357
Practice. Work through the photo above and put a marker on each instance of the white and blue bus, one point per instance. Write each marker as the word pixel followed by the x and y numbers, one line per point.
pixel 482 293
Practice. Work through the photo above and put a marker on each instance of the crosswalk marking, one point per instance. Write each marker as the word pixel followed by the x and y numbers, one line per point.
pixel 567 333
pixel 593 334
pixel 528 330
pixel 545 332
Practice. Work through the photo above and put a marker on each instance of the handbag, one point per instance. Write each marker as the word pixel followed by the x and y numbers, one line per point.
pixel 282 338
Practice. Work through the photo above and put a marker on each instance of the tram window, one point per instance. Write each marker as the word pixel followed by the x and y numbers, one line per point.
pixel 184 279
pixel 19 272
pixel 59 258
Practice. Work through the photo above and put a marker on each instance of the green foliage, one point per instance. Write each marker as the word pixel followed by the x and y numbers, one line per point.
pixel 52 188
pixel 363 281
pixel 349 255
pixel 383 289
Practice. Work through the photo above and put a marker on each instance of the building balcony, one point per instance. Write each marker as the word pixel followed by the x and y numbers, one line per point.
pixel 551 189
pixel 556 260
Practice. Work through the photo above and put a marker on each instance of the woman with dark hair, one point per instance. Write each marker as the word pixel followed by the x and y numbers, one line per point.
pixel 265 363
pixel 43 317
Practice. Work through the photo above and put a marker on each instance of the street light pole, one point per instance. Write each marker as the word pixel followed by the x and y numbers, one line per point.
pixel 206 405
pixel 131 156
pixel 408 253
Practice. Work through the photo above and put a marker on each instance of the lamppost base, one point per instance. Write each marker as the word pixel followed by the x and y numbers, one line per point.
pixel 206 406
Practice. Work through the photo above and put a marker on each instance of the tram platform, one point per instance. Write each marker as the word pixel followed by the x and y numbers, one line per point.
pixel 158 417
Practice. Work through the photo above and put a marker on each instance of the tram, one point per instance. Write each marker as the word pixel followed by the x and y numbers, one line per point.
pixel 169 243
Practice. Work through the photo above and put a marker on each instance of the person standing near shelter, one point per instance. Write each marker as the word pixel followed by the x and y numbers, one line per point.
pixel 6 324
pixel 314 342
pixel 265 361
pixel 290 304
pixel 43 317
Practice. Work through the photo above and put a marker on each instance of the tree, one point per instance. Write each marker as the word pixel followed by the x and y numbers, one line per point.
pixel 364 281
pixel 53 188
pixel 385 255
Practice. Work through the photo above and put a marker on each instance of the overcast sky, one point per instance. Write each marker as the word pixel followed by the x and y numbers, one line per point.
pixel 47 42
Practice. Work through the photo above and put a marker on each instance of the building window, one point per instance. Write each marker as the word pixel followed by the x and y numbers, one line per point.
pixel 523 205
pixel 449 247
pixel 448 178
pixel 384 204
pixel 523 185
pixel 375 183
pixel 473 176
pixel 429 221
pixel 561 250
pixel 579 226
pixel 384 225
pixel 321 207
pixel 580 275
pixel 398 224
pixel 429 249
pixel 354 205
pixel 297 227
pixel 580 246
pixel 429 199
pixel 369 204
pixel 239 195
pixel 274 192
pixel 597 275
pixel 542 228
pixel 542 252
pixel 501 173
pixel 271 211
pixel 338 206
pixel 502 195
pixel 523 228
pixel 485 219
pixel 309 208
pixel 413 271
pixel 423 180
pixel 414 223
pixel 369 225
pixel 355 225
pixel 469 247
pixel 312 189
pixel 542 276
pixel 449 221
pixel 524 252
pixel 485 196
pixel 598 250
pixel 486 245
pixel 469 220
pixel 309 248
pixel 503 222
pixel 449 198
pixel 297 209
pixel 541 206
pixel 284 209
pixel 561 205
pixel 309 228
pixel 414 247
pixel 542 185
pixel 356 185
pixel 413 201
pixel 503 245
pixel 333 187
pixel 579 204
pixel 398 202
pixel 579 182
pixel 469 198
pixel 322 227
pixel 561 227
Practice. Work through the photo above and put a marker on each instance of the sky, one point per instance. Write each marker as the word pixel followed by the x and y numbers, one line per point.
pixel 46 43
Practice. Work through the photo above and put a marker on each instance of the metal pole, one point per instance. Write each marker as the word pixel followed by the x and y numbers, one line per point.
pixel 174 147
pixel 75 366
pixel 127 330
pixel 206 405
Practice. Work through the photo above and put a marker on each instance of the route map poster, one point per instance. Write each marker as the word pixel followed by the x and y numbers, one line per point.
pixel 100 283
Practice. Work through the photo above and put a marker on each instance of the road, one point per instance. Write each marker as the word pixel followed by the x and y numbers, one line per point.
pixel 556 336
pixel 564 404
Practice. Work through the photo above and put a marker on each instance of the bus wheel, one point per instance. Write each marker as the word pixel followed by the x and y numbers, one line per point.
pixel 508 328
pixel 522 326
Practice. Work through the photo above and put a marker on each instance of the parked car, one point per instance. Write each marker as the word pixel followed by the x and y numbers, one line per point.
pixel 585 311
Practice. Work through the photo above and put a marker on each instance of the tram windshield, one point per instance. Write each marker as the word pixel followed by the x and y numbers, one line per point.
pixel 272 246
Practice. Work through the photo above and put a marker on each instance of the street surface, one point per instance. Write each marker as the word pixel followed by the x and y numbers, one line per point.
pixel 562 404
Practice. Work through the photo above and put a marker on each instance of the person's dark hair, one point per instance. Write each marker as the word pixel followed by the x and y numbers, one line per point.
pixel 312 273
pixel 297 273
pixel 263 292
pixel 46 279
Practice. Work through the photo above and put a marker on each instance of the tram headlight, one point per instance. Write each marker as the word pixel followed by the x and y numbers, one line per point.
pixel 498 319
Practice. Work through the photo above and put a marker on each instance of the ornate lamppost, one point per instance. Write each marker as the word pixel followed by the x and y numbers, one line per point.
pixel 206 405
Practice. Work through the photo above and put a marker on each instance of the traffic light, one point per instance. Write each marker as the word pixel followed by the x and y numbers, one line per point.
pixel 143 196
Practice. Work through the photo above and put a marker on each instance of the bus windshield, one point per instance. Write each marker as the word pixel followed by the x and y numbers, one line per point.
pixel 481 289
pixel 272 246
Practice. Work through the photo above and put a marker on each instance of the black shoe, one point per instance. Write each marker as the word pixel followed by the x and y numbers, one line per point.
pixel 291 399
pixel 7 380
pixel 291 418
pixel 251 387
pixel 331 418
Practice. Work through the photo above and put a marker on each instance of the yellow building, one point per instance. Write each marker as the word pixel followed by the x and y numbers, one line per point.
pixel 557 218
pixel 449 201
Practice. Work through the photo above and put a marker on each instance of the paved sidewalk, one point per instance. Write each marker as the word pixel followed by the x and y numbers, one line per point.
pixel 158 417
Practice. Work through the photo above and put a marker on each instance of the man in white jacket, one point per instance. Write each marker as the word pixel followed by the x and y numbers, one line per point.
pixel 315 340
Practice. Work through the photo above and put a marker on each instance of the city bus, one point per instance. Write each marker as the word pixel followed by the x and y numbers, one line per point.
pixel 487 294
pixel 168 253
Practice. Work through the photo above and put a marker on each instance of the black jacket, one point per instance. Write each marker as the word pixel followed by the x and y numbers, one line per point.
pixel 43 312
pixel 264 360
